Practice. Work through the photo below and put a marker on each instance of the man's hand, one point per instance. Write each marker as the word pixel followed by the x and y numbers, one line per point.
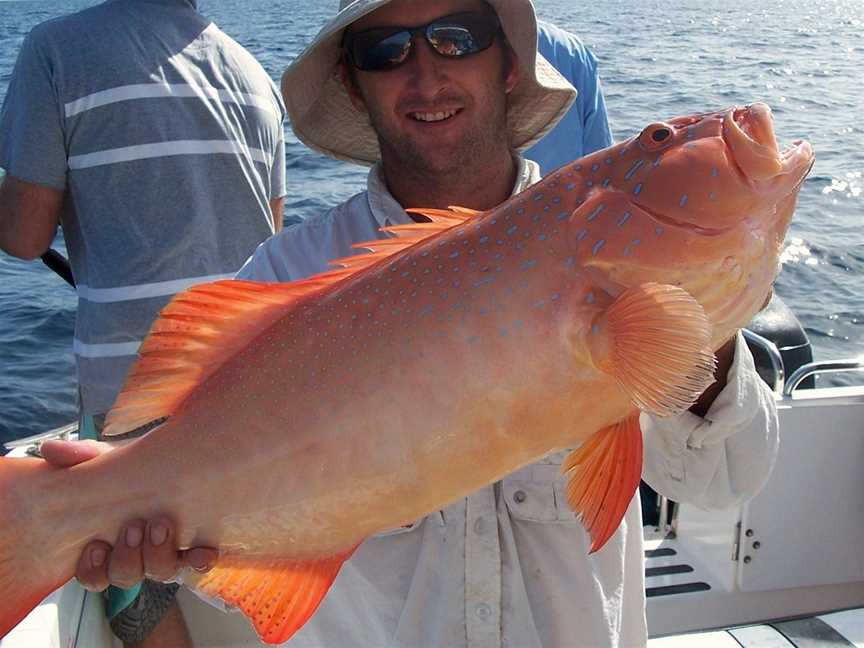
pixel 142 548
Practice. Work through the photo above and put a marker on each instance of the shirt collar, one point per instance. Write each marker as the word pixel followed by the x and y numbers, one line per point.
pixel 387 211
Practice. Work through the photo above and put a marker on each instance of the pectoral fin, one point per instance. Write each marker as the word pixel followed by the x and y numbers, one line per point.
pixel 604 473
pixel 277 595
pixel 654 341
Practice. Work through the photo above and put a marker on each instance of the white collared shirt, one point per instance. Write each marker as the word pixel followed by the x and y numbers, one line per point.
pixel 508 566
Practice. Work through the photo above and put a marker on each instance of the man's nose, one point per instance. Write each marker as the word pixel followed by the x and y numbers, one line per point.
pixel 425 65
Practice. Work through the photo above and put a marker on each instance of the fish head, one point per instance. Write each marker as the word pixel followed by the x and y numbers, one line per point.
pixel 701 202
pixel 717 170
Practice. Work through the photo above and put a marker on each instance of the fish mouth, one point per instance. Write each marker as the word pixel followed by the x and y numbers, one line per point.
pixel 668 221
pixel 749 135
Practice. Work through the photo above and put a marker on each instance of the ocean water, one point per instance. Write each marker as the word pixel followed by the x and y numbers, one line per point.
pixel 658 59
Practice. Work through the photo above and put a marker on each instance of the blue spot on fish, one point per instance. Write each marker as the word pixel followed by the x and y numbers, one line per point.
pixel 608 160
pixel 658 231
pixel 594 167
pixel 538 197
pixel 712 196
pixel 570 262
pixel 606 182
pixel 589 298
pixel 599 244
pixel 526 265
pixel 484 239
pixel 637 189
pixel 453 255
pixel 589 183
pixel 714 172
pixel 562 216
pixel 582 234
pixel 624 218
pixel 570 186
pixel 596 212
pixel 512 230
pixel 520 211
pixel 683 200
pixel 556 200
pixel 634 169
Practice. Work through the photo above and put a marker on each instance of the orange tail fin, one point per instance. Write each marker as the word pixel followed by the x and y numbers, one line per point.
pixel 604 473
pixel 277 595
pixel 25 576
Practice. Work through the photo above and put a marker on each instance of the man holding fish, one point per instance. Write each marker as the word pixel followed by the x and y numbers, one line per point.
pixel 439 97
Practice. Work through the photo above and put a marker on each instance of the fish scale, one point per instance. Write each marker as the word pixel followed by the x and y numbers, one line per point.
pixel 304 417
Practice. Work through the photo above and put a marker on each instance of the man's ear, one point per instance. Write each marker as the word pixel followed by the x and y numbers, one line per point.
pixel 346 75
pixel 513 71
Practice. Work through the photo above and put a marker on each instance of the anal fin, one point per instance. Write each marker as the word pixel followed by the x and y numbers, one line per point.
pixel 277 595
pixel 604 474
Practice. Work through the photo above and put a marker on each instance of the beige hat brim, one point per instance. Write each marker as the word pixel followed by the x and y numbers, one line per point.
pixel 323 117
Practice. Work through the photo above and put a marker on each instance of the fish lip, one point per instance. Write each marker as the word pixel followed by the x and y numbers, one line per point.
pixel 755 124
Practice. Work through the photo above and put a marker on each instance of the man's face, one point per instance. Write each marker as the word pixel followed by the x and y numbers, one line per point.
pixel 432 113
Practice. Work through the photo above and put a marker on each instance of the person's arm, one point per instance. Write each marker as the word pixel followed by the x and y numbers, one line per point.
pixel 724 457
pixel 277 207
pixel 29 216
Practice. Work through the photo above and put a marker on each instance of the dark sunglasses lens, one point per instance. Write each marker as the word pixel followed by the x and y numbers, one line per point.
pixel 461 34
pixel 377 51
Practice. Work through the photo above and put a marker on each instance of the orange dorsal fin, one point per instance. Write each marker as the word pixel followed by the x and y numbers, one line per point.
pixel 440 220
pixel 193 336
pixel 604 473
pixel 654 341
pixel 206 325
pixel 278 596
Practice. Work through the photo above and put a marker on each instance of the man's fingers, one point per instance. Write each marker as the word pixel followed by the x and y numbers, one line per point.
pixel 201 559
pixel 92 570
pixel 63 454
pixel 126 566
pixel 160 551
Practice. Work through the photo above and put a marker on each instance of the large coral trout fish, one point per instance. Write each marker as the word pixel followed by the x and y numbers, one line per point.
pixel 307 416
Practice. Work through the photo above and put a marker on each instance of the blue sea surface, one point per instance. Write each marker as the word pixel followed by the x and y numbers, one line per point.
pixel 658 59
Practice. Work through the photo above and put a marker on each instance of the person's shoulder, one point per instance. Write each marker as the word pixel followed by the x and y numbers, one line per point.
pixel 298 247
pixel 69 27
pixel 560 41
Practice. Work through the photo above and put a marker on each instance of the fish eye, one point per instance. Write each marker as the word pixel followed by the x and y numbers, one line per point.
pixel 656 136
pixel 661 134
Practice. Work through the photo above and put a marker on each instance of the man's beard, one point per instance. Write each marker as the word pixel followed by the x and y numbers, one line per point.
pixel 406 155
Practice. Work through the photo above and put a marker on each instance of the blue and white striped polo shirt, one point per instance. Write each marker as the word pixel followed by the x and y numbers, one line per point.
pixel 167 137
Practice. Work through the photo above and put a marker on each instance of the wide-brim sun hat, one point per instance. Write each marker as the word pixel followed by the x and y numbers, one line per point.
pixel 323 117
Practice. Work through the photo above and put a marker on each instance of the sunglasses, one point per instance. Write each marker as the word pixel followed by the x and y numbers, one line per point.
pixel 384 48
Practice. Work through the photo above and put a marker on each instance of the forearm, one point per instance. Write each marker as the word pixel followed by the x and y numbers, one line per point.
pixel 277 206
pixel 724 457
pixel 29 216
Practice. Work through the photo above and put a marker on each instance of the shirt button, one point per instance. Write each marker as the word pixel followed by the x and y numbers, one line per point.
pixel 483 611
pixel 519 496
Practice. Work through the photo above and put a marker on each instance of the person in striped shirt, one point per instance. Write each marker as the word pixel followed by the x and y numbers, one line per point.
pixel 156 142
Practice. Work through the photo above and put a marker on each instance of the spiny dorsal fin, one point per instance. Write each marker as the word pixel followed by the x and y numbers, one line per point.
pixel 201 328
pixel 277 595
pixel 440 220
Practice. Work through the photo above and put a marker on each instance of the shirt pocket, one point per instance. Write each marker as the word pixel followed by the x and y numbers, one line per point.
pixel 539 492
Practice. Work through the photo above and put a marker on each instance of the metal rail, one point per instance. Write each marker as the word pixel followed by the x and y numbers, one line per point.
pixel 813 368
pixel 773 355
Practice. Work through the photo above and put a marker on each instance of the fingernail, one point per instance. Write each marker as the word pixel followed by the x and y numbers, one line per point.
pixel 97 557
pixel 134 536
pixel 158 534
pixel 198 562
